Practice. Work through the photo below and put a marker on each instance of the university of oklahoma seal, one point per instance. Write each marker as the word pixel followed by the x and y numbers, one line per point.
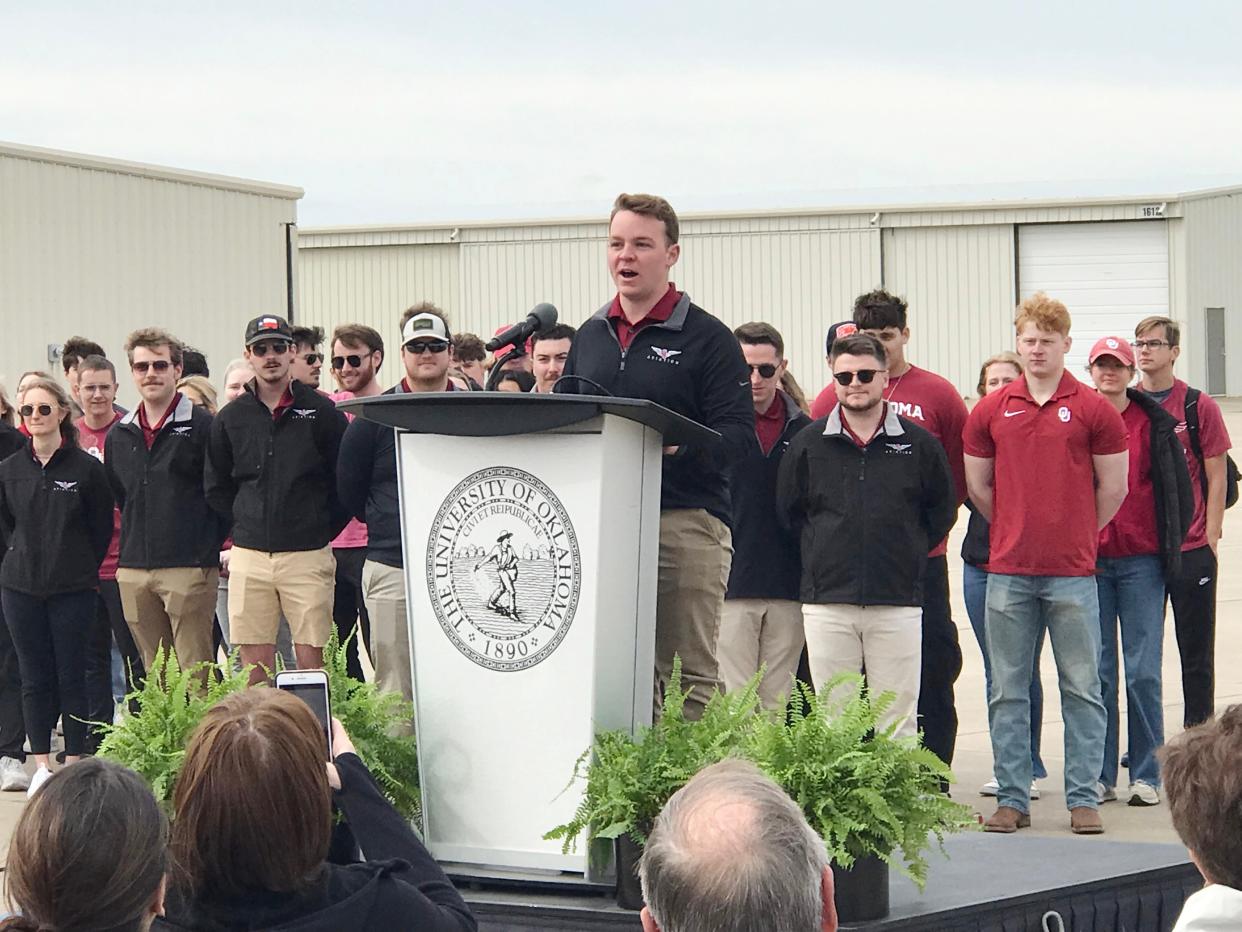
pixel 503 569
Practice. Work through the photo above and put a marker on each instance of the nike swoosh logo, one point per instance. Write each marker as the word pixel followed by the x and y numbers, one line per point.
pixel 1013 413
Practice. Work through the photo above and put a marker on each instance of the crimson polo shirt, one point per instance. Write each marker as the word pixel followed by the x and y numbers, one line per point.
pixel 770 424
pixel 662 311
pixel 1132 532
pixel 149 433
pixel 92 441
pixel 1043 492
pixel 285 403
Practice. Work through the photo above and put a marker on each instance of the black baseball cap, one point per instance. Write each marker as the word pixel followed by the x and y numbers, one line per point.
pixel 846 328
pixel 268 327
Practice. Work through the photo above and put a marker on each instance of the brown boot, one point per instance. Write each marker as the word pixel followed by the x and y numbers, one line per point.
pixel 1006 820
pixel 1085 821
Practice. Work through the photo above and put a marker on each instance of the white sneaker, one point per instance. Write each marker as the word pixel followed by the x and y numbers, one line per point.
pixel 992 788
pixel 1143 794
pixel 13 776
pixel 1107 793
pixel 40 777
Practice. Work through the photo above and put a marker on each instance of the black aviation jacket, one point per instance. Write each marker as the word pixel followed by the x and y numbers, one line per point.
pixel 690 364
pixel 866 516
pixel 398 887
pixel 56 521
pixel 275 479
pixel 165 518
pixel 766 560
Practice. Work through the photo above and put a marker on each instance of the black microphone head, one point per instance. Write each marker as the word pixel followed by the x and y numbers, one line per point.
pixel 546 315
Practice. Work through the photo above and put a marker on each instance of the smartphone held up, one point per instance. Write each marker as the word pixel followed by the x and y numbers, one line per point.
pixel 311 686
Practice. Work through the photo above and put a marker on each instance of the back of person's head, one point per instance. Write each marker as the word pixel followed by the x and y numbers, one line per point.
pixel 90 851
pixel 522 379
pixel 877 310
pixel 76 349
pixel 467 347
pixel 731 852
pixel 252 806
pixel 1202 773
pixel 1047 314
pixel 193 362
pixel 200 391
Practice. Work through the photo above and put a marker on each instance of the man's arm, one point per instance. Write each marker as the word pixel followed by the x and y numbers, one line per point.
pixel 355 463
pixel 1214 466
pixel 219 486
pixel 980 475
pixel 725 402
pixel 940 501
pixel 1112 481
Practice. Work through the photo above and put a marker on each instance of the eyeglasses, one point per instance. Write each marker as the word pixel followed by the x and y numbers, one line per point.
pixel 276 347
pixel 311 358
pixel 27 410
pixel 765 369
pixel 94 389
pixel 864 376
pixel 354 360
pixel 418 347
pixel 159 365
pixel 1149 344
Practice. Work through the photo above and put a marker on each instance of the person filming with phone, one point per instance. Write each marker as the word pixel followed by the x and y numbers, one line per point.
pixel 253 822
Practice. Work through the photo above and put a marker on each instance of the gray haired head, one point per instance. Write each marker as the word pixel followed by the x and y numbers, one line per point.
pixel 731 852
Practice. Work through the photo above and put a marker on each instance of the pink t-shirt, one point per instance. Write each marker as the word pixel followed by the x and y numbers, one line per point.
pixel 1213 440
pixel 354 534
pixel 1133 532
pixel 92 441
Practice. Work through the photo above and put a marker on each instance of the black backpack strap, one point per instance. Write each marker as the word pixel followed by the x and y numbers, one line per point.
pixel 1191 407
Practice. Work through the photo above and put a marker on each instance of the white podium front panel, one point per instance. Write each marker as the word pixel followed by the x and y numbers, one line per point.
pixel 530 574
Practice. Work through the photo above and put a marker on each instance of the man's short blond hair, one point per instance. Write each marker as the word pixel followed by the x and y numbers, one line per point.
pixel 1047 314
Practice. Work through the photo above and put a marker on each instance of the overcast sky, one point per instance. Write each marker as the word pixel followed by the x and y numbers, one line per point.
pixel 413 112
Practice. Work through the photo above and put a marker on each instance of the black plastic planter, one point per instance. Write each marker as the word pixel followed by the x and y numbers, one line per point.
pixel 862 890
pixel 629 891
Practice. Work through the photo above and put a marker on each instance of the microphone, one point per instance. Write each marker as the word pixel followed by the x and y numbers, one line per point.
pixel 541 317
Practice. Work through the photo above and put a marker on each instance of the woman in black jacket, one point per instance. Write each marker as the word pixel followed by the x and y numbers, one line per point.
pixel 56 517
pixel 252 826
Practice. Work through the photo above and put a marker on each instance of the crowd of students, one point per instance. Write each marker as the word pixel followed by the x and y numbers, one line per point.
pixel 810 540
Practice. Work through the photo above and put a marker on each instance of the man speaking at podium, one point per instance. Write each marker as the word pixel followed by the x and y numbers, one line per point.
pixel 651 342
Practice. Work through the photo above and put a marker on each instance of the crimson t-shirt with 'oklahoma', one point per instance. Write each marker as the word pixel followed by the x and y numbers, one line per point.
pixel 1043 491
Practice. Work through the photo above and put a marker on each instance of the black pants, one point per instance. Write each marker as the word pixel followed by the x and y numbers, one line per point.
pixel 12 725
pixel 348 609
pixel 1193 595
pixel 942 663
pixel 50 636
pixel 110 627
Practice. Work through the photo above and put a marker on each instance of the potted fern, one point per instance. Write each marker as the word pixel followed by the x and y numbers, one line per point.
pixel 629 777
pixel 873 797
pixel 172 702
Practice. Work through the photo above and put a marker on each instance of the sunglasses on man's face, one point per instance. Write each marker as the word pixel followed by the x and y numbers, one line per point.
pixel 864 376
pixel 159 365
pixel 765 369
pixel 312 358
pixel 276 348
pixel 354 360
pixel 27 410
pixel 418 347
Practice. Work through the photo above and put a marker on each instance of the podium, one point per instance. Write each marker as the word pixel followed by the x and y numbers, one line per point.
pixel 530 534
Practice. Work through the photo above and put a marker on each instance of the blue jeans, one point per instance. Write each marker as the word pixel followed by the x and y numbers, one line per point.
pixel 975 593
pixel 1132 589
pixel 1018 609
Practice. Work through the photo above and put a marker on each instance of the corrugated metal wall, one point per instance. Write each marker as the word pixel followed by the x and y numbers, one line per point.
pixel 959 283
pixel 85 250
pixel 1213 257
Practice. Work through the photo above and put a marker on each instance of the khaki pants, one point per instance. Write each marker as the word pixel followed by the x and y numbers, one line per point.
pixel 383 591
pixel 299 583
pixel 758 633
pixel 173 606
pixel 696 550
pixel 886 638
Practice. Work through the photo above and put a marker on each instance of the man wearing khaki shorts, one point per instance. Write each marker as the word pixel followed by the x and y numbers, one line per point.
pixel 271 470
pixel 170 537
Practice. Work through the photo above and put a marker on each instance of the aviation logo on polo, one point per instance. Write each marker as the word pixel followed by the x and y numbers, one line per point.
pixel 503 569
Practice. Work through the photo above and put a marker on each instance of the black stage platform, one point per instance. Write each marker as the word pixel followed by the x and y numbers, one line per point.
pixel 990 883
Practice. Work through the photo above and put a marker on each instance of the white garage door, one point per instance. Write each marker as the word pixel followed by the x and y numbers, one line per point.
pixel 1109 275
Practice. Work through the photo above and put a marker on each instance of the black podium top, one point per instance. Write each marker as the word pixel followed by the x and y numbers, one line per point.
pixel 500 414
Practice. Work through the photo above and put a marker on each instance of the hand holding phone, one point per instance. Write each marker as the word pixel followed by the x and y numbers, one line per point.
pixel 311 686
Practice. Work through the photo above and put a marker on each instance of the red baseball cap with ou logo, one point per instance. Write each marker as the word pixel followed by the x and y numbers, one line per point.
pixel 1112 346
